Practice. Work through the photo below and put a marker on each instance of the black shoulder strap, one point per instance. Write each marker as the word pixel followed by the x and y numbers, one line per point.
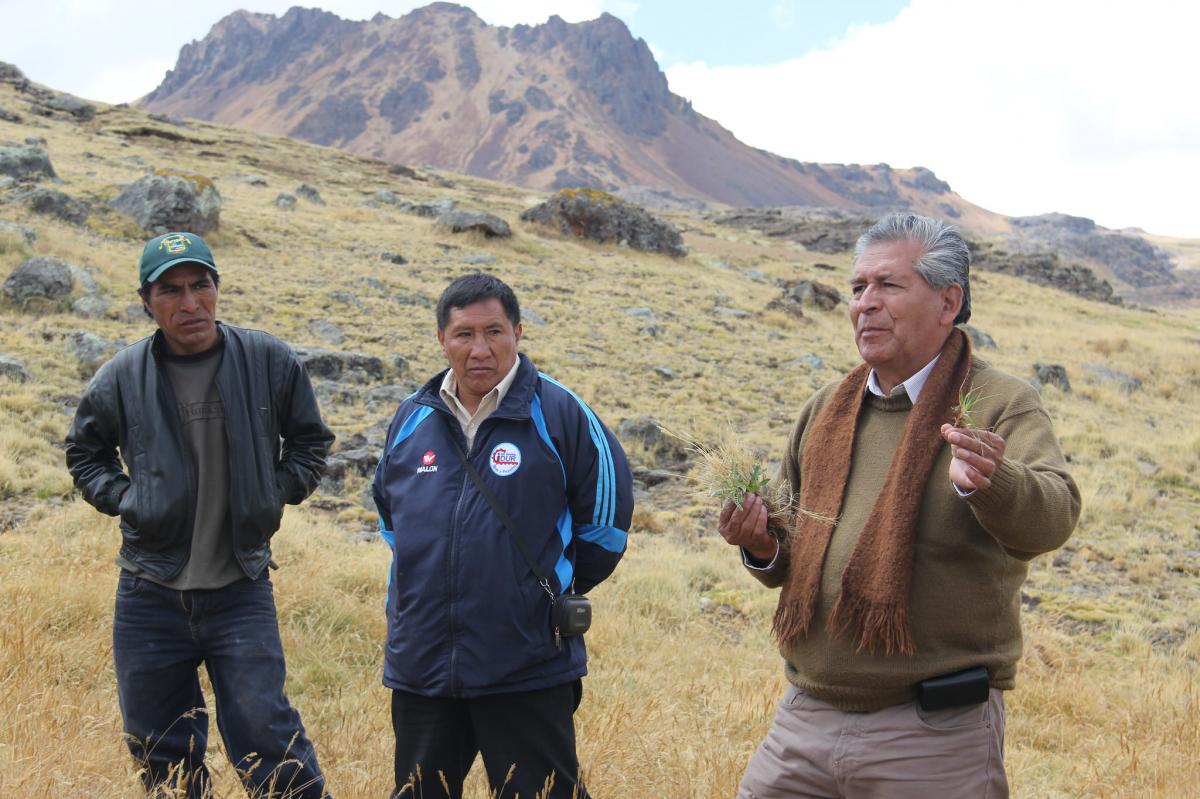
pixel 509 524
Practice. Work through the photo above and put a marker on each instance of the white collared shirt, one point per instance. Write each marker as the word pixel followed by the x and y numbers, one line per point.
pixel 487 406
pixel 912 385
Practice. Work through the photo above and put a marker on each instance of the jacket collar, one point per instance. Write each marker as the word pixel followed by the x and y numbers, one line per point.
pixel 515 404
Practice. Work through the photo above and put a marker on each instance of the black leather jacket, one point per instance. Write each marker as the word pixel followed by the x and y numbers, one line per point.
pixel 130 405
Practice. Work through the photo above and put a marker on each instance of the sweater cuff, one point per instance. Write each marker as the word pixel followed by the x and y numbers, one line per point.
pixel 998 496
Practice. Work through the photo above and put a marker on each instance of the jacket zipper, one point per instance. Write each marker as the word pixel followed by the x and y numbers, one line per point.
pixel 455 689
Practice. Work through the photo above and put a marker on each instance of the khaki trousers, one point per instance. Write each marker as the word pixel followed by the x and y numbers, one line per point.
pixel 901 752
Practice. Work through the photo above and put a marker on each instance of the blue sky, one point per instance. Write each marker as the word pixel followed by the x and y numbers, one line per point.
pixel 1023 106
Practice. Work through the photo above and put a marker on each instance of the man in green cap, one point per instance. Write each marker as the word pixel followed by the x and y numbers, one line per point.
pixel 218 428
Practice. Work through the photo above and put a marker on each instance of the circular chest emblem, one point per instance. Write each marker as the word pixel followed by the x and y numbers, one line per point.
pixel 505 459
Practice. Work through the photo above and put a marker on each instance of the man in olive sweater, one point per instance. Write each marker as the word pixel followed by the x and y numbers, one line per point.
pixel 922 485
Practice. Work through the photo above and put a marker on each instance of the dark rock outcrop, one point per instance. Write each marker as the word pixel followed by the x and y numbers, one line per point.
pixel 92 351
pixel 605 218
pixel 25 163
pixel 489 225
pixel 1052 374
pixel 41 281
pixel 352 367
pixel 1045 269
pixel 14 369
pixel 820 230
pixel 664 449
pixel 168 201
pixel 799 293
pixel 53 202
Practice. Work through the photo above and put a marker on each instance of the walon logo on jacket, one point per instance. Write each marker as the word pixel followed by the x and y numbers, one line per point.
pixel 428 462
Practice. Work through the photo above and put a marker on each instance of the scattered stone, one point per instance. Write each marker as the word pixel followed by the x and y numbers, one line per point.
pixel 651 330
pixel 326 331
pixel 400 364
pixel 1101 373
pixel 12 229
pixel 253 180
pixel 353 367
pixel 404 172
pixel 653 477
pixel 388 197
pixel 285 201
pixel 825 230
pixel 1147 466
pixel 360 461
pixel 757 276
pixel 168 200
pixel 72 105
pixel 307 192
pixel 388 396
pixel 432 210
pixel 665 372
pixel 489 225
pixel 92 351
pixel 170 119
pixel 733 313
pixel 41 280
pixel 664 448
pixel 810 360
pixel 333 481
pixel 371 283
pixel 55 203
pixel 1052 374
pixel 605 218
pixel 479 260
pixel 26 163
pixel 642 313
pixel 394 258
pixel 135 312
pixel 90 306
pixel 532 316
pixel 980 340
pixel 331 392
pixel 13 369
pixel 799 293
pixel 345 297
pixel 419 300
pixel 10 116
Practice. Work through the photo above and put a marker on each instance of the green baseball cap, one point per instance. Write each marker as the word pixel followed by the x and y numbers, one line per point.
pixel 169 249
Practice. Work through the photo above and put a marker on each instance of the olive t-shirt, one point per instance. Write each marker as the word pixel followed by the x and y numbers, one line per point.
pixel 211 563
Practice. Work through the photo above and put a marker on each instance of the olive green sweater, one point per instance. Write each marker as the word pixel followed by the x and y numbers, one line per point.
pixel 971 552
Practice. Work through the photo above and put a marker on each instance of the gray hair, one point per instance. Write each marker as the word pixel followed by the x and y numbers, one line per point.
pixel 945 259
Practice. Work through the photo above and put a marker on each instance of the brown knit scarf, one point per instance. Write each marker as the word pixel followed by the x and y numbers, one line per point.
pixel 874 595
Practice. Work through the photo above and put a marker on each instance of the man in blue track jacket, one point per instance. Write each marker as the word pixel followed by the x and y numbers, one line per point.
pixel 472 660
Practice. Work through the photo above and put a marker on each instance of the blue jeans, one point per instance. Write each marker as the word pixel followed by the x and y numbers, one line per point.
pixel 160 638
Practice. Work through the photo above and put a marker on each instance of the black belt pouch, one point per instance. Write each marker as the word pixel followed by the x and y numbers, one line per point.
pixel 966 687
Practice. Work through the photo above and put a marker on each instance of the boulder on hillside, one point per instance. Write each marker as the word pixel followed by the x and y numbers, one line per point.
pixel 25 163
pixel 979 339
pixel 167 201
pixel 41 280
pixel 310 193
pixel 10 73
pixel 431 209
pixel 1052 374
pixel 90 306
pixel 489 225
pixel 799 293
pixel 92 351
pixel 285 201
pixel 664 449
pixel 1104 374
pixel 13 369
pixel 604 218
pixel 72 105
pixel 55 203
pixel 13 230
pixel 352 367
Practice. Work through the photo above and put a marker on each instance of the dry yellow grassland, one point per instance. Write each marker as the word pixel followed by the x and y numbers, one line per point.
pixel 1108 701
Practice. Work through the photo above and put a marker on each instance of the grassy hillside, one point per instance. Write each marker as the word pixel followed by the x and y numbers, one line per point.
pixel 684 676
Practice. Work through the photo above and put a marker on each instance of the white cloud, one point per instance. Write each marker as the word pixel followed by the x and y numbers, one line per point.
pixel 1024 107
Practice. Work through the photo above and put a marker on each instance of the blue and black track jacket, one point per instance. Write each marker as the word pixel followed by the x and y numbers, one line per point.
pixel 466 615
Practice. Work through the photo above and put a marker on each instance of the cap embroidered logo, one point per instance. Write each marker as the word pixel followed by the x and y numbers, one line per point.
pixel 505 459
